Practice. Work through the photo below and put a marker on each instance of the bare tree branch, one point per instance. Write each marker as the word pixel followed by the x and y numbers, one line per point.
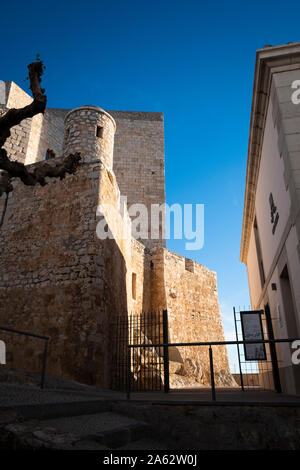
pixel 14 116
pixel 55 169
pixel 14 169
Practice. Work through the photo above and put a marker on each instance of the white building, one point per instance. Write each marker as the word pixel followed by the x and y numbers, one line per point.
pixel 270 244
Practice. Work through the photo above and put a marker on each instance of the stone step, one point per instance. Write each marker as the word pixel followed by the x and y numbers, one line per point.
pixel 45 411
pixel 107 429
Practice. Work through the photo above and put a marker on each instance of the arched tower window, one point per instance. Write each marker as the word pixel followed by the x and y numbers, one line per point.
pixel 49 154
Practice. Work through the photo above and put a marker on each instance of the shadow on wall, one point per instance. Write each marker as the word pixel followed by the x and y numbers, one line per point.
pixel 52 130
pixel 148 368
pixel 58 279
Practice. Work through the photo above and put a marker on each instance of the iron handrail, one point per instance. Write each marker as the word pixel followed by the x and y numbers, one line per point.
pixel 214 343
pixel 199 343
pixel 33 335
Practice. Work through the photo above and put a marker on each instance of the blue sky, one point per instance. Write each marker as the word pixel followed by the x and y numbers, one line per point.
pixel 192 61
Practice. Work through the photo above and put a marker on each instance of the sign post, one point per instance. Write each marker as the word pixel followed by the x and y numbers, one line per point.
pixel 252 329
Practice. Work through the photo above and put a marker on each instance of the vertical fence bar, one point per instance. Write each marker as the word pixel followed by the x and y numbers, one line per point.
pixel 135 333
pixel 158 315
pixel 44 364
pixel 145 383
pixel 128 372
pixel 150 316
pixel 166 352
pixel 212 374
pixel 273 353
pixel 238 350
pixel 116 379
pixel 125 339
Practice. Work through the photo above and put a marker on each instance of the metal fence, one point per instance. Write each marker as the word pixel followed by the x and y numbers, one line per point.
pixel 267 369
pixel 148 363
pixel 33 335
pixel 210 345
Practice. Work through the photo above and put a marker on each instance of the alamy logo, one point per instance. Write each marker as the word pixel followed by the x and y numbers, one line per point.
pixel 296 94
pixel 2 352
pixel 160 222
pixel 296 354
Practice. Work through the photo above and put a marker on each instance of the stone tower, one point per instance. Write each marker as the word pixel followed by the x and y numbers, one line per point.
pixel 90 130
pixel 58 278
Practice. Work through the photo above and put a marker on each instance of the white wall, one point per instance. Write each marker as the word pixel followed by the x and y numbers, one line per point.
pixel 271 180
pixel 294 268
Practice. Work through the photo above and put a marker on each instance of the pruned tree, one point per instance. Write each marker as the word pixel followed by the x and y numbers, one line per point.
pixel 13 169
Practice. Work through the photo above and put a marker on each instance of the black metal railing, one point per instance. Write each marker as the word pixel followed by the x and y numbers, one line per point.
pixel 166 347
pixel 264 373
pixel 33 335
pixel 140 328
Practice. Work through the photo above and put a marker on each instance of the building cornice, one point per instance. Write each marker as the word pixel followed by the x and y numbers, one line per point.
pixel 268 61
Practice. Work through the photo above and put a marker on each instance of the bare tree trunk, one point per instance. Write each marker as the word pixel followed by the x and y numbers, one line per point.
pixel 15 169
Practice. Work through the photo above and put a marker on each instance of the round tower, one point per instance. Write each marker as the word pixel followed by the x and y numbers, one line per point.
pixel 90 130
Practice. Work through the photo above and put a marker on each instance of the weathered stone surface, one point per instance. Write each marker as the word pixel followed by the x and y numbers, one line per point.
pixel 58 278
pixel 188 291
pixel 28 436
pixel 81 125
pixel 220 427
pixel 175 367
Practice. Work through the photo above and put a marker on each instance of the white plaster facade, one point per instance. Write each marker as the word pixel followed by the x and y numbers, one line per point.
pixel 271 249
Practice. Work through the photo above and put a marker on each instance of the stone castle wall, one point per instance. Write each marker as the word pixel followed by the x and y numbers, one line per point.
pixel 58 278
pixel 138 154
pixel 139 162
pixel 81 134
pixel 47 133
pixel 13 96
pixel 31 139
pixel 188 291
pixel 51 272
pixel 17 145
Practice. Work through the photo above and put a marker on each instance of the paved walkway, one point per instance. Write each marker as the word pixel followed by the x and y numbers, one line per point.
pixel 223 396
pixel 11 395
